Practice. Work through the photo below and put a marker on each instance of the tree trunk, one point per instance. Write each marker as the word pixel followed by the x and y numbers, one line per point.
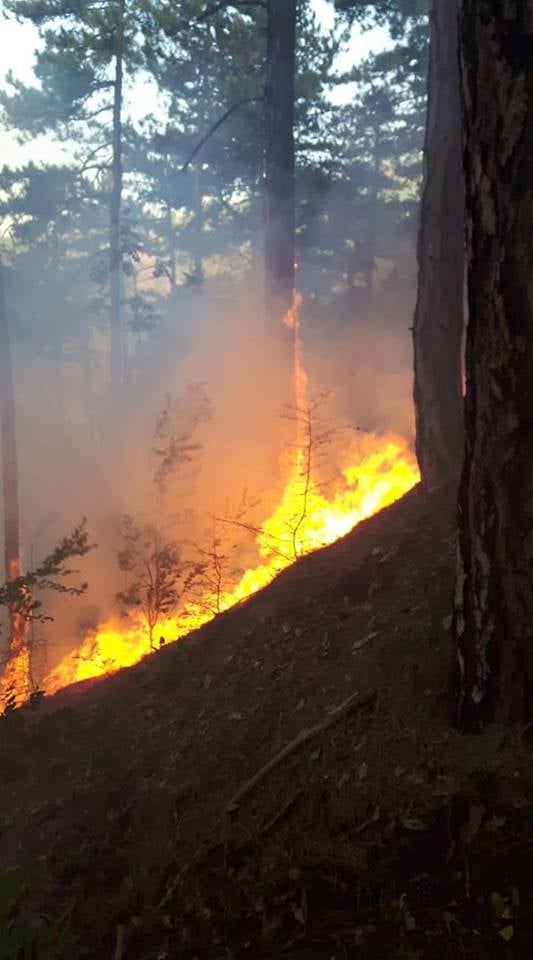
pixel 279 159
pixel 56 365
pixel 115 243
pixel 9 447
pixel 438 321
pixel 84 359
pixel 494 591
pixel 198 227
pixel 372 219
pixel 173 277
pixel 15 675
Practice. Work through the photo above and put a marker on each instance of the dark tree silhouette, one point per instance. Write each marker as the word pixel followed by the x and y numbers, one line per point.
pixel 279 158
pixel 10 490
pixel 494 590
pixel 438 322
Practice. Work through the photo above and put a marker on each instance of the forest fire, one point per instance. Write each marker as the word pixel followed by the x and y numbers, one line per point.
pixel 370 472
pixel 265 400
pixel 379 471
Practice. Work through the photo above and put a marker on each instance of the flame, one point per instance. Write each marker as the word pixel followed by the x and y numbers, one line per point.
pixel 383 471
pixel 291 321
pixel 15 680
pixel 374 473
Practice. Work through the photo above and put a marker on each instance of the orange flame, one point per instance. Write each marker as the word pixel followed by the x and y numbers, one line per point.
pixel 15 680
pixel 291 320
pixel 376 471
pixel 382 471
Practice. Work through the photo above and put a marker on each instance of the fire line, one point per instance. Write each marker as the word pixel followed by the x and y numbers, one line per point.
pixel 377 470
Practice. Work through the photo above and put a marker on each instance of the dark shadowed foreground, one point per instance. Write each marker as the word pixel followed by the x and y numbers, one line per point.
pixel 381 834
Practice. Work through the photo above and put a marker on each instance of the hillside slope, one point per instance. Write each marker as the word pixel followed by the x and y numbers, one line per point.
pixel 383 834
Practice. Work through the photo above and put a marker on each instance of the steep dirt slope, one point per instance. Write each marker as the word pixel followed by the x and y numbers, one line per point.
pixel 384 834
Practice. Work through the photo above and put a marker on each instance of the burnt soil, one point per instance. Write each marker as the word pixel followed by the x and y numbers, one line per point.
pixel 385 834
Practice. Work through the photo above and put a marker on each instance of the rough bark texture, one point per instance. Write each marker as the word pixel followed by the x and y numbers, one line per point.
pixel 438 321
pixel 279 158
pixel 494 590
pixel 115 243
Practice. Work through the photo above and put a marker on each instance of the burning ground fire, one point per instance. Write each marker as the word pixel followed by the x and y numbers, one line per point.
pixel 384 471
pixel 375 472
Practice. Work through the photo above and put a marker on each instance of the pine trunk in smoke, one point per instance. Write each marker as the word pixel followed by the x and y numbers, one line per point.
pixel 173 274
pixel 494 589
pixel 10 493
pixel 279 159
pixel 115 242
pixel 438 321
pixel 9 447
pixel 372 217
pixel 84 359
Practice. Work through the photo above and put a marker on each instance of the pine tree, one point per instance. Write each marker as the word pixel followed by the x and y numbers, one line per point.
pixel 87 51
pixel 54 225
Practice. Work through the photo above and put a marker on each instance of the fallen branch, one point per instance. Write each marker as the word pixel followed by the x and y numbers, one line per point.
pixel 120 942
pixel 280 814
pixel 352 703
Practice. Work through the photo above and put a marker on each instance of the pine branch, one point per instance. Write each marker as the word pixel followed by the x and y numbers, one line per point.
pixel 214 128
pixel 48 576
pixel 92 114
pixel 230 3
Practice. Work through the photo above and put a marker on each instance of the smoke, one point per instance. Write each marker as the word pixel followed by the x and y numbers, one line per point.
pixel 70 467
pixel 367 367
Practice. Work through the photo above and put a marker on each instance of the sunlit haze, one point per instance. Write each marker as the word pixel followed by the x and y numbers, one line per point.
pixel 18 42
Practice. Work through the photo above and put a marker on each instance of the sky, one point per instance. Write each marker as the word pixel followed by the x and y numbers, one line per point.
pixel 19 41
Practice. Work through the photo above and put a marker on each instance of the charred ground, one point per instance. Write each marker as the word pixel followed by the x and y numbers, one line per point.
pixel 385 835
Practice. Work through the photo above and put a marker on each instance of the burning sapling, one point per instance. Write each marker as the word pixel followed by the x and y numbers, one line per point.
pixel 50 574
pixel 158 576
pixel 313 437
pixel 19 596
pixel 288 533
pixel 219 572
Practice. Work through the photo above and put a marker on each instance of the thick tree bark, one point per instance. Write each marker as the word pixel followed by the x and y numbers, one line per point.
pixel 279 159
pixel 115 242
pixel 15 676
pixel 494 589
pixel 438 321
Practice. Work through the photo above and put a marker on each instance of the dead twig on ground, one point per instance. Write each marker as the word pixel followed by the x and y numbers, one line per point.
pixel 280 814
pixel 355 701
pixel 367 823
pixel 120 941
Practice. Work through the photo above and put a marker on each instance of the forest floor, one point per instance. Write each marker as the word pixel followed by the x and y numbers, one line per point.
pixel 126 805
